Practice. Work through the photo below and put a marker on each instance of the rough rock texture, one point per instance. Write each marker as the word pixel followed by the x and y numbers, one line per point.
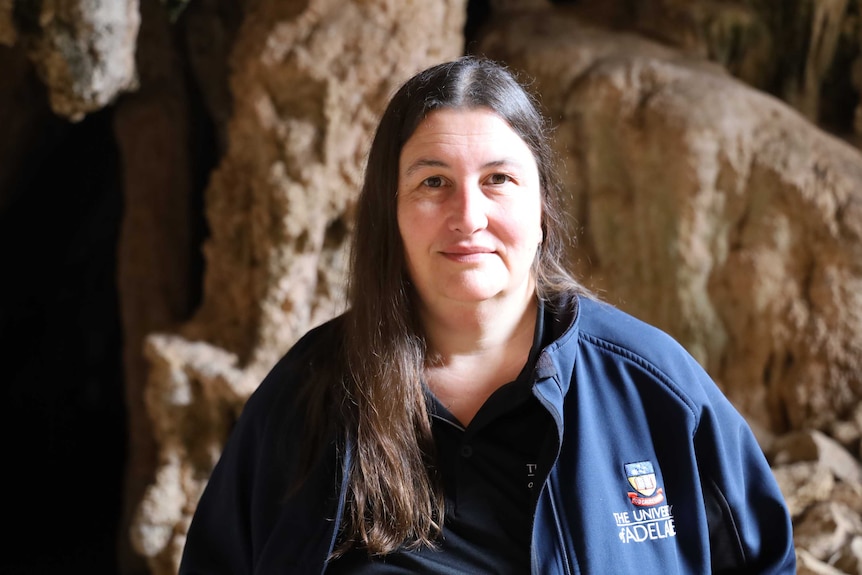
pixel 84 50
pixel 310 80
pixel 822 483
pixel 709 209
pixel 802 51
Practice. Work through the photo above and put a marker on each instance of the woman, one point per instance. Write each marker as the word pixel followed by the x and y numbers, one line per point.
pixel 475 410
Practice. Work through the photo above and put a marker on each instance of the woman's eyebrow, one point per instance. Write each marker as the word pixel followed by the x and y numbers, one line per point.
pixel 424 163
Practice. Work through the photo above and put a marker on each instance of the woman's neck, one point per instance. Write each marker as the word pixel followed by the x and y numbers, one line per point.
pixel 473 352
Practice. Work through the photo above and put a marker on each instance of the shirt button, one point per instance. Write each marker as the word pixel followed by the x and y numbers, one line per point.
pixel 466 451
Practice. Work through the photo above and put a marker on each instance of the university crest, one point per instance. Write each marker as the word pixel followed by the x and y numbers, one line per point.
pixel 641 476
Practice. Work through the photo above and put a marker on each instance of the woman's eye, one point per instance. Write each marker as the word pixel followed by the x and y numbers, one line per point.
pixel 433 182
pixel 498 179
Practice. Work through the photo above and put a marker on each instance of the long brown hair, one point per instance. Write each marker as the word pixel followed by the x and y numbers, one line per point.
pixel 394 497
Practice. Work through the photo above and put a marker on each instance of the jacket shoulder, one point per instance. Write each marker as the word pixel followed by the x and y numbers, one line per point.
pixel 607 329
pixel 602 322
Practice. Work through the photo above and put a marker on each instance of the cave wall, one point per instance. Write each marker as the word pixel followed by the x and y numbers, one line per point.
pixel 709 148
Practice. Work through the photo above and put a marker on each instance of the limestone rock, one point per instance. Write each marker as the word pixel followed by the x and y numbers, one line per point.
pixel 757 41
pixel 804 484
pixel 807 564
pixel 822 487
pixel 847 433
pixel 817 447
pixel 709 209
pixel 848 494
pixel 850 559
pixel 827 529
pixel 84 50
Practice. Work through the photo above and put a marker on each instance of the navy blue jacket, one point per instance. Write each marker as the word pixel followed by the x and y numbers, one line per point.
pixel 655 471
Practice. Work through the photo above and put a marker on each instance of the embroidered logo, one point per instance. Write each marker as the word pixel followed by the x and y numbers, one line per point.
pixel 641 476
pixel 648 521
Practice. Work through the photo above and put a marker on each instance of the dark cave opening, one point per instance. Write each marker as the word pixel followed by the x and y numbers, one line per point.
pixel 61 333
pixel 61 338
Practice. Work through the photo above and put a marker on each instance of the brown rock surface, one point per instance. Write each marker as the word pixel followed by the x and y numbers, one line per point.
pixel 804 484
pixel 157 242
pixel 850 559
pixel 826 529
pixel 817 447
pixel 807 564
pixel 806 52
pixel 822 485
pixel 84 50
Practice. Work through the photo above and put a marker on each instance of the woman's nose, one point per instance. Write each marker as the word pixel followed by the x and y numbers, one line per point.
pixel 467 213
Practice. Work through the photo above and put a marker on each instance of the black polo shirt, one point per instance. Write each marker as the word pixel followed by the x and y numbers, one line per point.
pixel 491 477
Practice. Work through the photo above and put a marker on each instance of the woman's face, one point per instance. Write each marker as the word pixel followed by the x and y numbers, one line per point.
pixel 469 208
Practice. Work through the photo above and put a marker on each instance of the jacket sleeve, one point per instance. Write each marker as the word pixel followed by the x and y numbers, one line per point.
pixel 749 524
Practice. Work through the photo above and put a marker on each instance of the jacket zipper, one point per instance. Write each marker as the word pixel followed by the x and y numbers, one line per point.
pixel 568 565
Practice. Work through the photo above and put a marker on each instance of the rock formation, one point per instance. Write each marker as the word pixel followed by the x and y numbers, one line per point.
pixel 84 50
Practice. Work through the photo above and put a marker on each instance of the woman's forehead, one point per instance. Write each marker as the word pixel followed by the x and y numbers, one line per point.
pixel 478 133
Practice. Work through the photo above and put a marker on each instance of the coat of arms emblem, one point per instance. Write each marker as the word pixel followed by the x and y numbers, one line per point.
pixel 641 476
